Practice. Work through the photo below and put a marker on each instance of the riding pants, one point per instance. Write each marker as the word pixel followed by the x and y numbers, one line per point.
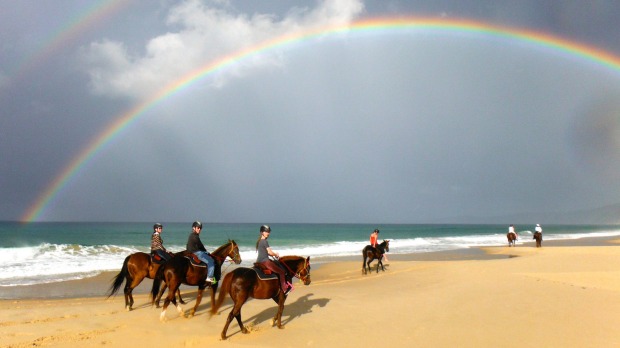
pixel 274 267
pixel 206 258
pixel 164 255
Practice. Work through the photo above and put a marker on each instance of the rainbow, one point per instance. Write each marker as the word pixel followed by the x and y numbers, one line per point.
pixel 448 26
pixel 69 32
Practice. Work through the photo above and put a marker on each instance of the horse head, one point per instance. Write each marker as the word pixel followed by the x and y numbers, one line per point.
pixel 298 265
pixel 387 244
pixel 230 249
pixel 233 252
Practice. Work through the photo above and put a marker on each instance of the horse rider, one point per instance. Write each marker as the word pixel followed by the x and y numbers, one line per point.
pixel 195 246
pixel 374 236
pixel 511 229
pixel 264 251
pixel 538 228
pixel 157 244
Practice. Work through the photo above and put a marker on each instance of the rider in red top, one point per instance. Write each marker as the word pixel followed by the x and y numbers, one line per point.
pixel 373 238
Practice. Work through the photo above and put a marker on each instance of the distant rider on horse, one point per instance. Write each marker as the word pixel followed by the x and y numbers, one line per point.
pixel 511 229
pixel 157 244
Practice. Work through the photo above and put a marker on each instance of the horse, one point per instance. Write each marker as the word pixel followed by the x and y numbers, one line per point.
pixel 180 270
pixel 136 267
pixel 512 238
pixel 539 238
pixel 370 253
pixel 243 283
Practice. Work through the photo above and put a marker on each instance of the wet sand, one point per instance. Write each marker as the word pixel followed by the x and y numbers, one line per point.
pixel 566 293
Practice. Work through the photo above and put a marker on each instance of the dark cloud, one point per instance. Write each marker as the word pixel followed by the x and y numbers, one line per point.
pixel 354 128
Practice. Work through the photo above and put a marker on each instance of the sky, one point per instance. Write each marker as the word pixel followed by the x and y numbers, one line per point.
pixel 253 111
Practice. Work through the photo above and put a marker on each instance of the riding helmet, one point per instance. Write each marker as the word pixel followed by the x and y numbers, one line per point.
pixel 264 228
pixel 157 225
pixel 197 224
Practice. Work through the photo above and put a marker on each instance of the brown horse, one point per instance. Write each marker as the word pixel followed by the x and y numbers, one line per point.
pixel 512 238
pixel 179 270
pixel 370 253
pixel 538 237
pixel 135 268
pixel 243 283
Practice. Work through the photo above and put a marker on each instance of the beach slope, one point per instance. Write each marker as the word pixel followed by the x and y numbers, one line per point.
pixel 565 296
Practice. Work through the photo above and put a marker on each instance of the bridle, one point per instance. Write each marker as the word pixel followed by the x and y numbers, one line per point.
pixel 298 274
pixel 235 254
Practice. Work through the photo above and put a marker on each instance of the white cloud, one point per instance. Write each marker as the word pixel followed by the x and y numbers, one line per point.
pixel 206 34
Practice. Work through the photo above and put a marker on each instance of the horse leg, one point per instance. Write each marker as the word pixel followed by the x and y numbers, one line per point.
pixel 213 291
pixel 172 288
pixel 239 300
pixel 129 286
pixel 364 265
pixel 179 294
pixel 127 292
pixel 198 300
pixel 380 264
pixel 159 295
pixel 278 318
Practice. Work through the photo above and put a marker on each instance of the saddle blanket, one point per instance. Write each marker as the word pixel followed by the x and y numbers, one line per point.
pixel 195 260
pixel 265 276
pixel 157 259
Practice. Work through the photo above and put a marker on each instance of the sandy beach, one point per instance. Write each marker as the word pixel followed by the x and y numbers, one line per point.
pixel 565 294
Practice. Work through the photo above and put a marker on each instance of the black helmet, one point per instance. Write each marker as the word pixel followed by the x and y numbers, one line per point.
pixel 264 228
pixel 157 225
pixel 377 230
pixel 197 224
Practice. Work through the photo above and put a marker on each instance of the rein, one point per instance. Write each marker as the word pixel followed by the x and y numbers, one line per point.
pixel 298 274
pixel 221 259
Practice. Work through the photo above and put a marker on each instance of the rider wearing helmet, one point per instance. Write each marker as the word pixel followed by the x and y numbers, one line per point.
pixel 195 246
pixel 157 244
pixel 264 251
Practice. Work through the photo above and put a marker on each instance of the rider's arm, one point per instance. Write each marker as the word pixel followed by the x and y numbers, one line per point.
pixel 272 253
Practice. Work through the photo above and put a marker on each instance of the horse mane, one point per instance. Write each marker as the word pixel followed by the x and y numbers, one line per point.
pixel 225 245
pixel 290 258
pixel 295 259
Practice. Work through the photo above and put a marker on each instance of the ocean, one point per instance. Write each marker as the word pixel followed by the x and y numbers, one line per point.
pixel 39 253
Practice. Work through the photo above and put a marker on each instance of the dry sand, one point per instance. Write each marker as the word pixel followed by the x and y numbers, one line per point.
pixel 561 295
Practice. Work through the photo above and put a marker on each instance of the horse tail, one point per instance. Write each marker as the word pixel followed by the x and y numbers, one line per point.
pixel 226 283
pixel 118 280
pixel 159 276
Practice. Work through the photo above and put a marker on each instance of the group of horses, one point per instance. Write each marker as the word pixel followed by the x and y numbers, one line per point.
pixel 512 238
pixel 241 284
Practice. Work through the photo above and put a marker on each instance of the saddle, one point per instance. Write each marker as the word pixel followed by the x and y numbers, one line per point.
pixel 265 273
pixel 194 260
pixel 156 259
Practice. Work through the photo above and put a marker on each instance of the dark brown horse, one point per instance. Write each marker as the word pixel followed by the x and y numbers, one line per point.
pixel 370 253
pixel 512 238
pixel 135 268
pixel 243 283
pixel 538 237
pixel 179 270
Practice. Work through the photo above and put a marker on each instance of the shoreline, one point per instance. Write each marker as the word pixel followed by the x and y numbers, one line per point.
pixel 565 294
pixel 98 286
